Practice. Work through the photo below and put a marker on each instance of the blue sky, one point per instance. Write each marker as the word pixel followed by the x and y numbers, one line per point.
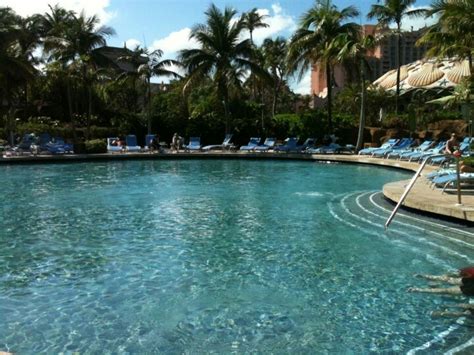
pixel 165 24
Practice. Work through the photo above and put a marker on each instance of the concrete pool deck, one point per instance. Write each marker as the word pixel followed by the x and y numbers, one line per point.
pixel 421 198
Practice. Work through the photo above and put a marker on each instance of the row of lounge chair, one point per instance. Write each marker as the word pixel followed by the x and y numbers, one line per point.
pixel 447 180
pixel 254 145
pixel 290 145
pixel 44 143
pixel 404 149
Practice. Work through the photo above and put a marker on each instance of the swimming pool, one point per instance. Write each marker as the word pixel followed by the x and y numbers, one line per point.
pixel 218 256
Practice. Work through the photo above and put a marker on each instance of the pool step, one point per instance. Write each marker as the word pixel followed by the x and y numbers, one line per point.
pixel 368 210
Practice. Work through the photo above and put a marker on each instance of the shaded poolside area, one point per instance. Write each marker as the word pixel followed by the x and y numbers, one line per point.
pixel 422 197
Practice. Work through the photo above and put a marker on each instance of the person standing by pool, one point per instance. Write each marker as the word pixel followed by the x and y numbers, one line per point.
pixel 451 145
pixel 176 142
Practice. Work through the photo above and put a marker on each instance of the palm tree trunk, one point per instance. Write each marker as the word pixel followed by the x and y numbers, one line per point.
pixel 149 106
pixel 263 110
pixel 469 57
pixel 71 114
pixel 89 111
pixel 329 98
pixel 360 135
pixel 223 94
pixel 226 115
pixel 399 60
pixel 275 97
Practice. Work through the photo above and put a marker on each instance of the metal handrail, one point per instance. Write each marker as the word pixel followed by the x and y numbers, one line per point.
pixel 409 187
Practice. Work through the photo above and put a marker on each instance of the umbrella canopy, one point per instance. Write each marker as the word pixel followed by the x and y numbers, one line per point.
pixel 426 74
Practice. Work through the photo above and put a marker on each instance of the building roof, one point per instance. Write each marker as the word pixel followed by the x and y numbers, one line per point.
pixel 114 56
pixel 426 74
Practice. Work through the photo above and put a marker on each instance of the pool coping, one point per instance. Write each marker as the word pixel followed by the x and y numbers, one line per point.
pixel 421 198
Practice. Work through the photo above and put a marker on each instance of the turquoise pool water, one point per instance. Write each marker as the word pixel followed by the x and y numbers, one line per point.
pixel 218 256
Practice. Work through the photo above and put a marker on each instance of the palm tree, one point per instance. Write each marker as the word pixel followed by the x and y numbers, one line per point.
pixel 393 11
pixel 222 55
pixel 155 67
pixel 16 45
pixel 274 51
pixel 16 68
pixel 357 48
pixel 453 34
pixel 315 41
pixel 71 40
pixel 253 20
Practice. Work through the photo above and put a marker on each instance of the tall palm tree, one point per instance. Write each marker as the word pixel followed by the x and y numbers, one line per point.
pixel 222 55
pixel 150 64
pixel 315 41
pixel 358 48
pixel 16 67
pixel 394 11
pixel 453 34
pixel 253 20
pixel 71 40
pixel 274 51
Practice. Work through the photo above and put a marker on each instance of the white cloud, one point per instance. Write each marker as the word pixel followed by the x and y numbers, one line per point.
pixel 174 42
pixel 303 87
pixel 132 43
pixel 30 7
pixel 277 9
pixel 278 23
pixel 417 22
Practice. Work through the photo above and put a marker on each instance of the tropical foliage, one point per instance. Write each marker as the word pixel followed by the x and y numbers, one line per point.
pixel 394 11
pixel 57 74
pixel 315 41
pixel 453 34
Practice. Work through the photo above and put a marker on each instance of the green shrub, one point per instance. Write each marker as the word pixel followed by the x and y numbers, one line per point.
pixel 468 161
pixel 96 146
pixel 287 124
pixel 102 132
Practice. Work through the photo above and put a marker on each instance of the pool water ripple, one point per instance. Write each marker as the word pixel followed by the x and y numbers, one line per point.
pixel 214 256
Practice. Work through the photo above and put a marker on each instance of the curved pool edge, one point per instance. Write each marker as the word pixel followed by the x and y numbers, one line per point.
pixel 421 198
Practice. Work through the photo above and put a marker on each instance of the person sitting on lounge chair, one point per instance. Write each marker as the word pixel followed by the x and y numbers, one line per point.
pixel 117 143
pixel 451 145
pixel 155 143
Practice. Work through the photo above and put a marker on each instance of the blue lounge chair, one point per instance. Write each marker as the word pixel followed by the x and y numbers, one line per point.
pixel 308 144
pixel 266 146
pixel 463 148
pixel 148 140
pixel 25 143
pixel 68 148
pixel 112 146
pixel 194 144
pixel 291 144
pixel 387 144
pixel 401 153
pixel 451 180
pixel 131 144
pixel 403 144
pixel 417 156
pixel 332 148
pixel 254 141
pixel 226 144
